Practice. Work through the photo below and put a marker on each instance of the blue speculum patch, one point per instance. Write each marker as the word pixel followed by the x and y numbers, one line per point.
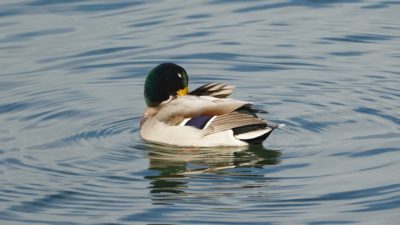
pixel 199 121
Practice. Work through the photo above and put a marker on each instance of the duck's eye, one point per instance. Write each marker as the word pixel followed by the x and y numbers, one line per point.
pixel 179 75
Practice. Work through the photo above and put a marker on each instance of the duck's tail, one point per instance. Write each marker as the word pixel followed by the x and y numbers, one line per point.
pixel 255 134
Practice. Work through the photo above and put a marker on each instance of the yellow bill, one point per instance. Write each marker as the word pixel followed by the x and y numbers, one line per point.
pixel 182 91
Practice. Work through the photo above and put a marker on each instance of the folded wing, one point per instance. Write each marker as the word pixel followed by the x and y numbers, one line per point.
pixel 174 111
pixel 208 109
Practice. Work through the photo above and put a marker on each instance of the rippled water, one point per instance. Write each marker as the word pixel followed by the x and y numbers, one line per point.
pixel 71 100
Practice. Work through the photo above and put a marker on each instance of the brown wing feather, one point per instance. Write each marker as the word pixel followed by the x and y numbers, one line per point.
pixel 217 90
pixel 190 106
pixel 232 120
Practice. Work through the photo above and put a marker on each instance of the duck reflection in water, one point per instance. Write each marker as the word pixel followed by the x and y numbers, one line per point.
pixel 176 167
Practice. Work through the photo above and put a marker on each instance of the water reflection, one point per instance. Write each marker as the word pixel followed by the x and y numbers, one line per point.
pixel 174 166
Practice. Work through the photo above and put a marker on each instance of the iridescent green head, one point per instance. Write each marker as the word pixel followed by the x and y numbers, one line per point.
pixel 165 80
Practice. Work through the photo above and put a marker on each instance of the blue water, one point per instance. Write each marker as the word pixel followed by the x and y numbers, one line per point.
pixel 71 85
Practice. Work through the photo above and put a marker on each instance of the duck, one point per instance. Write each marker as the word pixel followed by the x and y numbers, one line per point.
pixel 204 117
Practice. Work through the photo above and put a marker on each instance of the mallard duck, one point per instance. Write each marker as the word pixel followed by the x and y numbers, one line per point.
pixel 204 117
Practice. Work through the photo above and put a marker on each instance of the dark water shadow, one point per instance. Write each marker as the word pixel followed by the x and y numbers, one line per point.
pixel 174 167
pixel 291 3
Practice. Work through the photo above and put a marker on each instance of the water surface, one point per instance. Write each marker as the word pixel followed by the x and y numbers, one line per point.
pixel 71 85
